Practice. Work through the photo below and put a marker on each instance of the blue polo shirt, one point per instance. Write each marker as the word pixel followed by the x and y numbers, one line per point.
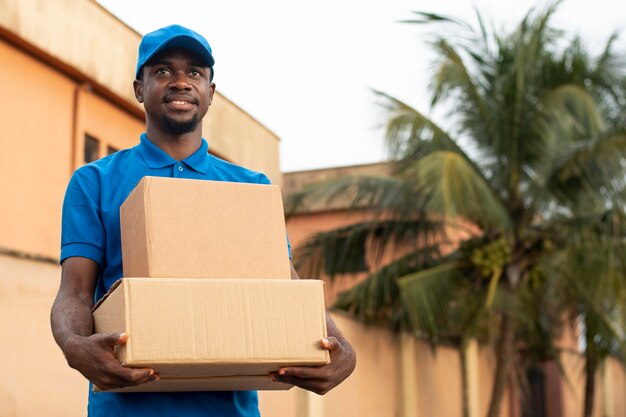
pixel 91 229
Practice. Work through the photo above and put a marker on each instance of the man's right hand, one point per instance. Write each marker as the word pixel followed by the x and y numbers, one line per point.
pixel 94 357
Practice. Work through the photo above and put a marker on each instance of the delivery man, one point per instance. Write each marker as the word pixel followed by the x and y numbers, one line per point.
pixel 174 81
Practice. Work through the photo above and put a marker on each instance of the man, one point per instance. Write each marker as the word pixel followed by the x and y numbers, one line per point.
pixel 174 83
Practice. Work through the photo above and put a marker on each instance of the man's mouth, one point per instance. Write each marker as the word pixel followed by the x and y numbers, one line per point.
pixel 180 101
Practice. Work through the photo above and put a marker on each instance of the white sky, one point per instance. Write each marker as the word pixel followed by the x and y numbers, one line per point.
pixel 305 69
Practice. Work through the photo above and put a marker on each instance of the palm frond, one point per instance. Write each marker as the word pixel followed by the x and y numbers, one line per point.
pixel 364 245
pixel 587 170
pixel 410 134
pixel 428 18
pixel 454 189
pixel 377 298
pixel 453 75
pixel 427 297
pixel 376 193
pixel 569 113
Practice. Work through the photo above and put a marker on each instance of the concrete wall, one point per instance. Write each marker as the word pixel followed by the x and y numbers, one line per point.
pixel 37 380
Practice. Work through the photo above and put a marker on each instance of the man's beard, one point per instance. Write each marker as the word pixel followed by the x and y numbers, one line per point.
pixel 178 128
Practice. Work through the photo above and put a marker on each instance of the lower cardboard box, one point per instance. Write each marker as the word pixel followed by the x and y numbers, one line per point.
pixel 215 334
pixel 218 383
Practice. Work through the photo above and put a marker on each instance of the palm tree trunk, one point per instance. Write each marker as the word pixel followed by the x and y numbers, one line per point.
pixel 464 379
pixel 503 351
pixel 591 366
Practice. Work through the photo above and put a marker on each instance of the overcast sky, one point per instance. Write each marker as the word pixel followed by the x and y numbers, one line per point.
pixel 305 69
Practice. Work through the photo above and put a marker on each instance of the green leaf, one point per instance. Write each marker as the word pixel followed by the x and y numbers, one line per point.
pixel 455 190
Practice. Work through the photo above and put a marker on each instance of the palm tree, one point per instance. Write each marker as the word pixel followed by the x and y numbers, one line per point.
pixel 530 173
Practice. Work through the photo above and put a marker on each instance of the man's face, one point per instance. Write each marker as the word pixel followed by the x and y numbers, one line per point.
pixel 176 91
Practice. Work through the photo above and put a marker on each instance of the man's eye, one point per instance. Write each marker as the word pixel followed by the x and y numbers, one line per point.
pixel 195 73
pixel 163 71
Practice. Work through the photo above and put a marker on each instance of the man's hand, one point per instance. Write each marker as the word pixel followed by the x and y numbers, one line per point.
pixel 94 357
pixel 321 379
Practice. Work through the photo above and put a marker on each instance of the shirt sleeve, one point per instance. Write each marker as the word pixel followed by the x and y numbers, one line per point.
pixel 82 232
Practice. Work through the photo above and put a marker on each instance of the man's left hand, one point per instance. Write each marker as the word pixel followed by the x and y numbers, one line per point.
pixel 321 379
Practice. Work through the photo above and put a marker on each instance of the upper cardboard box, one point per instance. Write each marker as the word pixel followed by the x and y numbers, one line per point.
pixel 204 229
pixel 199 334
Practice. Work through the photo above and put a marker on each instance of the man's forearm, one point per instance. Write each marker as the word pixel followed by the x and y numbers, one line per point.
pixel 93 355
pixel 71 311
pixel 69 317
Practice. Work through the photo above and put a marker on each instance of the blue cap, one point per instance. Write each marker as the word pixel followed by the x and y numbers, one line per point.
pixel 173 36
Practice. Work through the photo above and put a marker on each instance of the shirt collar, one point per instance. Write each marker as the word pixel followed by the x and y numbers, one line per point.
pixel 155 157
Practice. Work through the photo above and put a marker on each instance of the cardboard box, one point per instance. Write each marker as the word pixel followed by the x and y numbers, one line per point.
pixel 175 227
pixel 206 329
pixel 219 383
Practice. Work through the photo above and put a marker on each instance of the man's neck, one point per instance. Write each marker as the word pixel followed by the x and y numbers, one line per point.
pixel 178 147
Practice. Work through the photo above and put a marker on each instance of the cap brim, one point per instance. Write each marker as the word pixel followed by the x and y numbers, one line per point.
pixel 185 42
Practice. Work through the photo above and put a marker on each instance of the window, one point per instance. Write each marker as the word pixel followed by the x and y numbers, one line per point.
pixel 92 146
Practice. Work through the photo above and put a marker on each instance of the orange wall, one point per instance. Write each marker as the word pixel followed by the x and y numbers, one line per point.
pixel 38 150
pixel 35 152
pixel 110 125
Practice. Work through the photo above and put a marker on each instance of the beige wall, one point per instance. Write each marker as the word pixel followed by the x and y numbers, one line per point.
pixel 373 388
pixel 294 181
pixel 37 381
pixel 237 136
pixel 370 391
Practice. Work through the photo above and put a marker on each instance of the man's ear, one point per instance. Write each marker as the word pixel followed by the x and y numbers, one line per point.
pixel 211 92
pixel 138 87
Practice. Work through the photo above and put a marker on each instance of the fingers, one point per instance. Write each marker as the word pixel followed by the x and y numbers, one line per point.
pixel 112 339
pixel 121 338
pixel 139 376
pixel 124 377
pixel 96 360
pixel 330 343
pixel 113 382
pixel 312 372
pixel 306 372
pixel 320 379
pixel 317 386
pixel 136 376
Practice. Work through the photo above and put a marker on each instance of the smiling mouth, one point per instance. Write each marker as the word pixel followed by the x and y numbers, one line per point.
pixel 180 100
pixel 180 104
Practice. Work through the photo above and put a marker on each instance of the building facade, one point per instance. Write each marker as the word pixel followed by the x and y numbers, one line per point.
pixel 399 375
pixel 67 99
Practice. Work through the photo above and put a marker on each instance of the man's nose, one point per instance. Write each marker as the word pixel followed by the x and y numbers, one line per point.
pixel 179 81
